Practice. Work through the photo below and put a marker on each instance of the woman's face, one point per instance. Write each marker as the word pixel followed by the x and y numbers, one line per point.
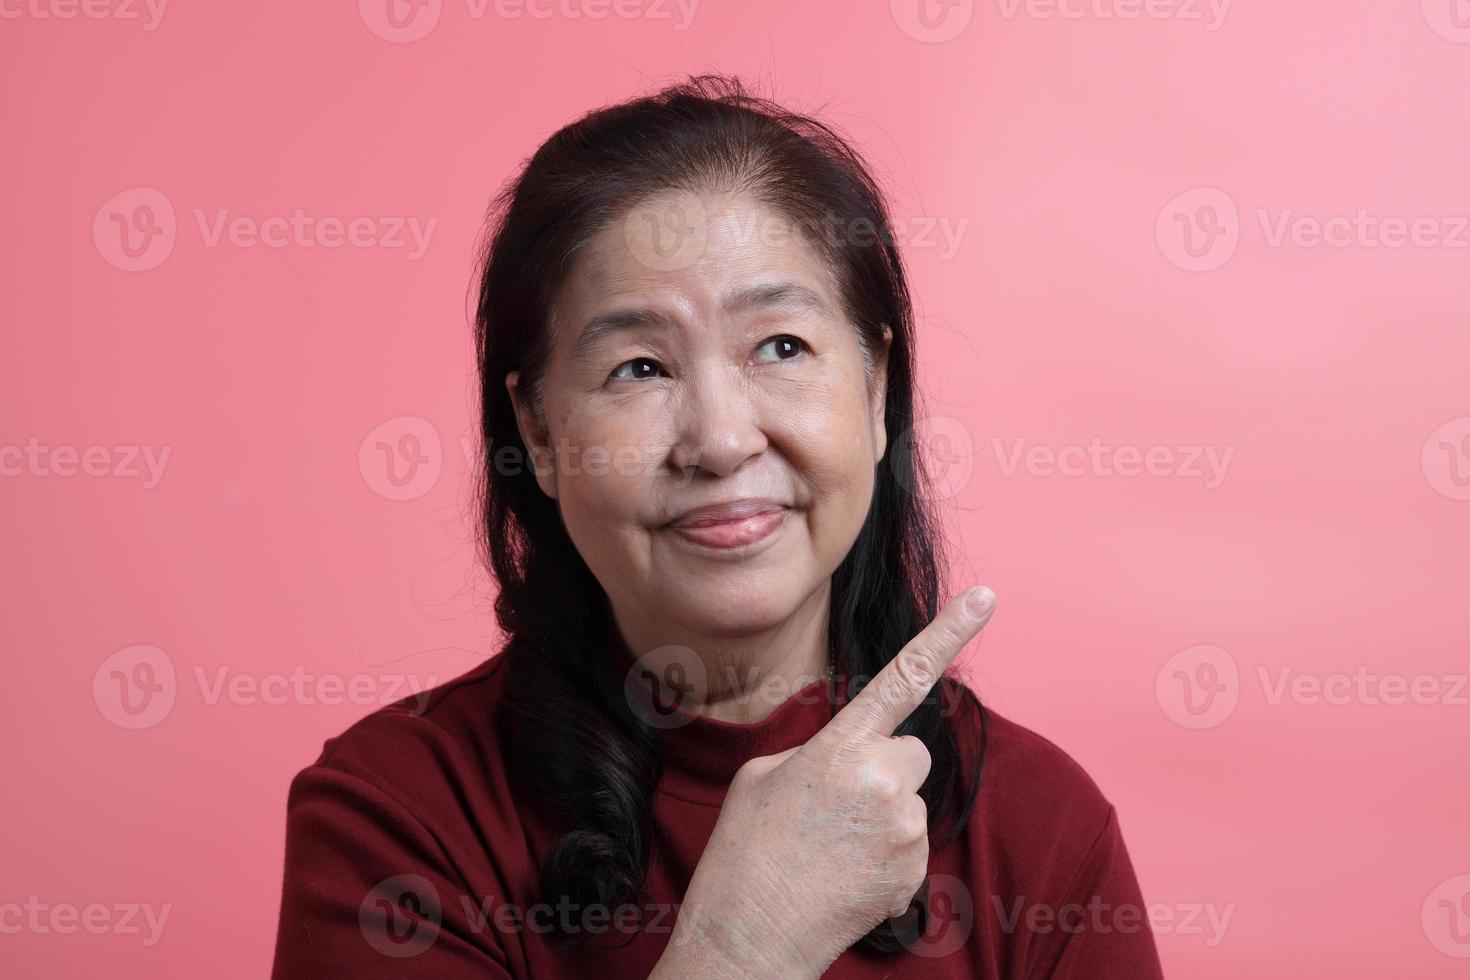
pixel 709 424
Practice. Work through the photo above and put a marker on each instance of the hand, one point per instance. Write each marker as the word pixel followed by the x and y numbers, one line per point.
pixel 817 845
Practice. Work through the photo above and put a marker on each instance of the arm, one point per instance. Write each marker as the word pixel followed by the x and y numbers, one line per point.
pixel 1101 928
pixel 368 891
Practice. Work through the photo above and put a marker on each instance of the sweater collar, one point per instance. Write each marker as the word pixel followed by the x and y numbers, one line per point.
pixel 700 755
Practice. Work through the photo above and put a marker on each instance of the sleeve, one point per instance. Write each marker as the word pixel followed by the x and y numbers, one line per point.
pixel 370 893
pixel 1100 930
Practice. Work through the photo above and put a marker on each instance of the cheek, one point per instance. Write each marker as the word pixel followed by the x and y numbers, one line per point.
pixel 828 437
pixel 604 463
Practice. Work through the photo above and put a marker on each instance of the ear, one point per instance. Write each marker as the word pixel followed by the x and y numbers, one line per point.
pixel 534 434
pixel 878 396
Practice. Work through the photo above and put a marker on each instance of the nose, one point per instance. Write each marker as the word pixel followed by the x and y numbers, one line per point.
pixel 720 427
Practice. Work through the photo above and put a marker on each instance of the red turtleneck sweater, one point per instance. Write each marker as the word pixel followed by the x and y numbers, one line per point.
pixel 407 855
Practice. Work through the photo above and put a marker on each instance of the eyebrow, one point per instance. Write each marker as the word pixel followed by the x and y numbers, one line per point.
pixel 788 294
pixel 778 294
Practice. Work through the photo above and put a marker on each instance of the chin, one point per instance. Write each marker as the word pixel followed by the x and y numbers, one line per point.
pixel 734 608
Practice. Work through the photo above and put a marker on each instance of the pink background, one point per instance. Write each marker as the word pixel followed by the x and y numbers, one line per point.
pixel 1065 156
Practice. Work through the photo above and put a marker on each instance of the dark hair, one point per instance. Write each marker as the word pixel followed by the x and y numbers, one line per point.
pixel 577 744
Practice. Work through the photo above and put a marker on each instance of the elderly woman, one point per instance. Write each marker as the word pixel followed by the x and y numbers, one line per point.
pixel 718 741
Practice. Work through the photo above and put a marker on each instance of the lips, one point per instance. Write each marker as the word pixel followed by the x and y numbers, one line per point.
pixel 734 510
pixel 734 524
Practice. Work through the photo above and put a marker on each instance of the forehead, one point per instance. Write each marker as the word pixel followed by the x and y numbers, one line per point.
pixel 695 252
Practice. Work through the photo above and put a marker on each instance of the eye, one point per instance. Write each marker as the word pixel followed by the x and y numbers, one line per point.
pixel 784 347
pixel 638 369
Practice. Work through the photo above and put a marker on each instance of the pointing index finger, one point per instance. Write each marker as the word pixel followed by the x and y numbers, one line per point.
pixel 904 683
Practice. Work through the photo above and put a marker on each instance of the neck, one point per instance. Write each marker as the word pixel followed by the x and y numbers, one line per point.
pixel 746 676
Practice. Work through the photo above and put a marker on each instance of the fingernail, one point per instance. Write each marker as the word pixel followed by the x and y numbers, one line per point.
pixel 980 601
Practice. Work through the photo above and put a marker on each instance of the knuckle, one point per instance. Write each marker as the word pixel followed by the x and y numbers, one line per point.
pixel 916 884
pixel 951 636
pixel 916 825
pixel 909 827
pixel 916 746
pixel 880 785
pixel 907 889
pixel 916 667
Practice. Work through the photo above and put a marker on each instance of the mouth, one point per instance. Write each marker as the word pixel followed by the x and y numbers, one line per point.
pixel 731 526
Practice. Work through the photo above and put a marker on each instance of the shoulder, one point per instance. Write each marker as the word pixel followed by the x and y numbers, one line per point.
pixel 1034 797
pixel 424 743
pixel 395 813
pixel 1046 856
